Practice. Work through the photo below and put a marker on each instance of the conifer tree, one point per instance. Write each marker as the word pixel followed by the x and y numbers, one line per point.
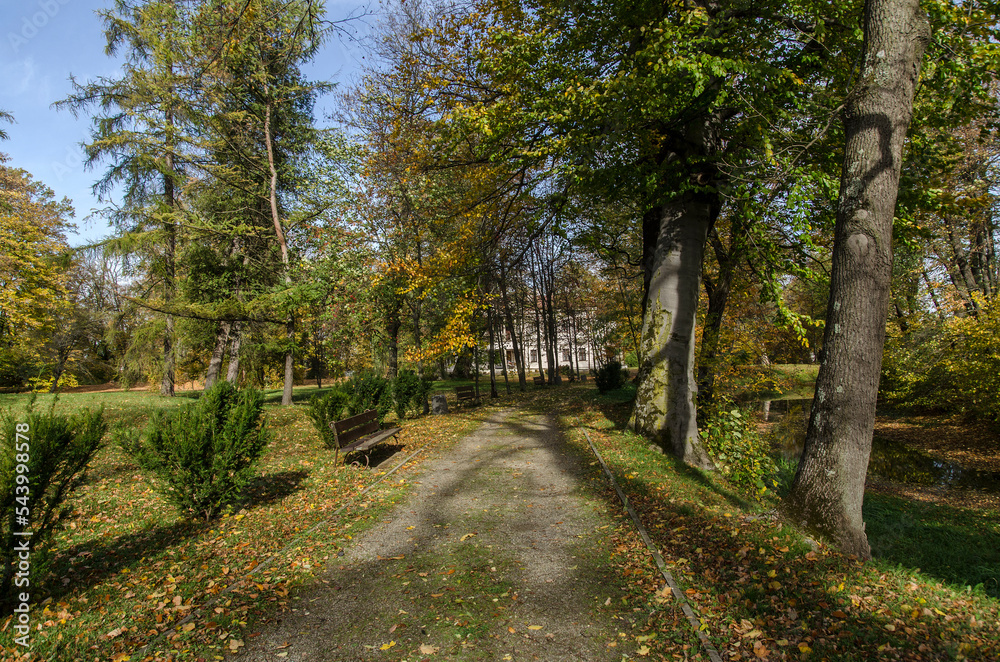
pixel 141 132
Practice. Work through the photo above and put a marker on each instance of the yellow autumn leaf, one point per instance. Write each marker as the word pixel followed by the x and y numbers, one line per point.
pixel 387 646
pixel 534 627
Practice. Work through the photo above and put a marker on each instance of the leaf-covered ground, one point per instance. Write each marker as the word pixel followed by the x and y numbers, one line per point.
pixel 129 572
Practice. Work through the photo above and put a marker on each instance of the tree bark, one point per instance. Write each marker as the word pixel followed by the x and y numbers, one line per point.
pixel 218 353
pixel 233 371
pixel 286 394
pixel 718 298
pixel 169 268
pixel 393 327
pixel 828 490
pixel 665 400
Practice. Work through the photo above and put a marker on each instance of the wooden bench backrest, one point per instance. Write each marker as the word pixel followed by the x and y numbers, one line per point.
pixel 355 427
pixel 465 389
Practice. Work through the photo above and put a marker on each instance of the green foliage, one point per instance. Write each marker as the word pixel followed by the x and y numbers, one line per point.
pixel 952 366
pixel 731 438
pixel 203 454
pixel 409 391
pixel 51 452
pixel 610 377
pixel 369 391
pixel 324 410
pixel 405 389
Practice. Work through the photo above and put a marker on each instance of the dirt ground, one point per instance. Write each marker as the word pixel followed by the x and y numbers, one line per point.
pixel 498 554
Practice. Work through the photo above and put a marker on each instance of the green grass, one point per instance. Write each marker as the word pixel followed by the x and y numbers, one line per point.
pixel 749 573
pixel 127 556
pixel 958 546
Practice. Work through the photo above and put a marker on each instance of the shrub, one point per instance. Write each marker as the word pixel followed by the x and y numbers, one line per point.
pixel 51 452
pixel 325 409
pixel 952 366
pixel 203 454
pixel 610 377
pixel 741 455
pixel 369 391
pixel 406 389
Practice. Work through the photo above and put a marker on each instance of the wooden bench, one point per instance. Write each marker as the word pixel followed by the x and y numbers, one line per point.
pixel 465 393
pixel 539 381
pixel 360 433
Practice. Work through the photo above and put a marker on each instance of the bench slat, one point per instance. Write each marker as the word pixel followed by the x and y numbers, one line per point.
pixel 353 421
pixel 357 433
pixel 373 440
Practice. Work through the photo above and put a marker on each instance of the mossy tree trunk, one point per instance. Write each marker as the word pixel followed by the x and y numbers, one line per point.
pixel 665 412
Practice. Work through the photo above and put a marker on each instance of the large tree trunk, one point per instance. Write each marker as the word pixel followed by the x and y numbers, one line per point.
pixel 828 490
pixel 393 327
pixel 218 354
pixel 233 372
pixel 170 248
pixel 675 236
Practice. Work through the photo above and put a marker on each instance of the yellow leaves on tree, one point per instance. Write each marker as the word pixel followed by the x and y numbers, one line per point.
pixel 32 248
pixel 456 334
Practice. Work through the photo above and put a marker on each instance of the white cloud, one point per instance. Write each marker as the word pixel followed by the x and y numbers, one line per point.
pixel 18 77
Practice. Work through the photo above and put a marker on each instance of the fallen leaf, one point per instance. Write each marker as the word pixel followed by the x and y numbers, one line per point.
pixel 643 650
pixel 235 645
pixel 187 627
pixel 534 627
pixel 466 537
pixel 385 647
pixel 427 649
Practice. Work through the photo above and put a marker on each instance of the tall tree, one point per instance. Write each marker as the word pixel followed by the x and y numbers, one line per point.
pixel 142 132
pixel 828 490
pixel 261 118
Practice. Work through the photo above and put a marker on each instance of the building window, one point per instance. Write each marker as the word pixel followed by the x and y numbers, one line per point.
pixel 534 356
pixel 581 354
pixel 566 356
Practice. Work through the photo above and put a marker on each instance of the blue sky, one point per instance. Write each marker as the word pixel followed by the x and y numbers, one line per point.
pixel 42 42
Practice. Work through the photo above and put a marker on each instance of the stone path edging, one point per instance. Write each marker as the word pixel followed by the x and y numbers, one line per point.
pixel 660 563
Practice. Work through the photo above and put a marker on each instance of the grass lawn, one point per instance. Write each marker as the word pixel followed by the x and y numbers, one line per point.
pixel 129 570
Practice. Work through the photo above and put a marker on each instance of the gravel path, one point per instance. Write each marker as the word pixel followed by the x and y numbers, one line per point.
pixel 497 554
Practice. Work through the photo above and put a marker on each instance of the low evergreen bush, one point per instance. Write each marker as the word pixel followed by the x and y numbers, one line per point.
pixel 369 391
pixel 203 454
pixel 610 377
pixel 43 457
pixel 324 410
pixel 406 389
